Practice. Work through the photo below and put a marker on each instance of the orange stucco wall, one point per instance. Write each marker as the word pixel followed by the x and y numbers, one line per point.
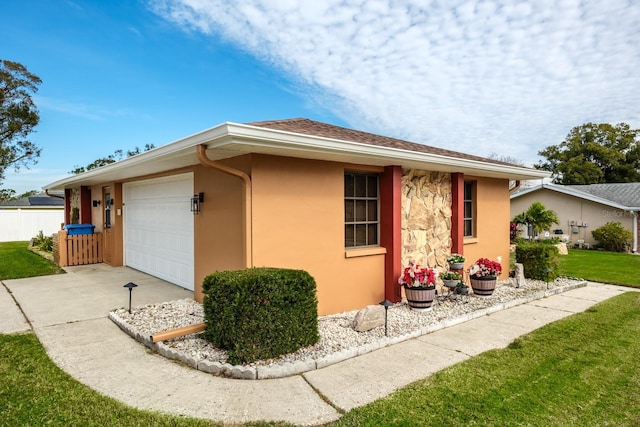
pixel 492 223
pixel 298 222
pixel 219 227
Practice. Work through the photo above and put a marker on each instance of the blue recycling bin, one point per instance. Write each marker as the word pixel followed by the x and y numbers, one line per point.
pixel 77 229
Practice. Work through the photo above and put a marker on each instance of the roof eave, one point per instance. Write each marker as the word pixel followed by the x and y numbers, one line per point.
pixel 229 139
pixel 354 152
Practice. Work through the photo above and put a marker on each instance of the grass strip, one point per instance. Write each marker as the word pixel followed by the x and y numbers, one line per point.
pixel 35 392
pixel 17 261
pixel 580 371
pixel 604 267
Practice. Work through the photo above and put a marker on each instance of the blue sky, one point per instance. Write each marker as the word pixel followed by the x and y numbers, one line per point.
pixel 480 76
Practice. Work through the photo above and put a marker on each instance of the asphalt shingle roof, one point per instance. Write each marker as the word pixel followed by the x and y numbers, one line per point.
pixel 311 127
pixel 627 194
pixel 37 200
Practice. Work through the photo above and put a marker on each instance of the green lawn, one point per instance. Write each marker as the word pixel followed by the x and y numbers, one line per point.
pixel 604 267
pixel 17 261
pixel 580 371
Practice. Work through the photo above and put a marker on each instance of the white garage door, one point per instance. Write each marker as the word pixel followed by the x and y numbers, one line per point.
pixel 158 228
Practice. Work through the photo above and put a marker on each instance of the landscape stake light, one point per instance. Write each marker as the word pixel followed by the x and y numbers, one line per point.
pixel 130 286
pixel 386 304
pixel 546 275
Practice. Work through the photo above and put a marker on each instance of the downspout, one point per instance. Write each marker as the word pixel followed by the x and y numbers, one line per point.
pixel 46 191
pixel 634 227
pixel 516 186
pixel 246 190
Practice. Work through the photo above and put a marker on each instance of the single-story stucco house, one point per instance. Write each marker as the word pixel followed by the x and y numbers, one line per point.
pixel 583 208
pixel 349 207
pixel 23 218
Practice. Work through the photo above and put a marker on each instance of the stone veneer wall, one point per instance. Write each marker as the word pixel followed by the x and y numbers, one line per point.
pixel 426 218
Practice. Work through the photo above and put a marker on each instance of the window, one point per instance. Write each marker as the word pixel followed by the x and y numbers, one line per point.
pixel 361 207
pixel 469 209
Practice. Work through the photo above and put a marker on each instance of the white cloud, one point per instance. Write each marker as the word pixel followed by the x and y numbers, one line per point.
pixel 87 111
pixel 478 76
pixel 31 179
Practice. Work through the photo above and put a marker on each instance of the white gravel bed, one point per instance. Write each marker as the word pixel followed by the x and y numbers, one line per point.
pixel 336 333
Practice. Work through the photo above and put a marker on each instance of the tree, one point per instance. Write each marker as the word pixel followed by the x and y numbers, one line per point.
pixel 18 116
pixel 111 158
pixel 593 154
pixel 8 194
pixel 537 217
pixel 506 159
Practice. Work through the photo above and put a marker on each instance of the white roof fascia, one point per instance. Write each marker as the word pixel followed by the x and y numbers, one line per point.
pixel 385 155
pixel 526 191
pixel 146 157
pixel 243 139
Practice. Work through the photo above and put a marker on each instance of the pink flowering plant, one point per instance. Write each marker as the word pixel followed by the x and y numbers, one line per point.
pixel 416 277
pixel 485 268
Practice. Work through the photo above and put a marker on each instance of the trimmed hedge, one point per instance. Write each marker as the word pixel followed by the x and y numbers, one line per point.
pixel 536 258
pixel 260 313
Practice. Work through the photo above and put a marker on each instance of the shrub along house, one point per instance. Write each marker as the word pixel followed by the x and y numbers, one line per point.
pixel 349 207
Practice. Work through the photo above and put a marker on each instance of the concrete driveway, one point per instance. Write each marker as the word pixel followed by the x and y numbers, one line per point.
pixel 68 313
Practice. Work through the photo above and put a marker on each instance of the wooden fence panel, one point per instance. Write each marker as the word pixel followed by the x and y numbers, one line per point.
pixel 84 249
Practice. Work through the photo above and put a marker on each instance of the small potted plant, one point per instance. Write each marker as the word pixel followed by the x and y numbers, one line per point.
pixel 484 274
pixel 461 289
pixel 456 262
pixel 451 279
pixel 419 286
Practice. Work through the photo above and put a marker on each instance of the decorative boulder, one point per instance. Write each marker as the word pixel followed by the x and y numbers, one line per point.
pixel 368 318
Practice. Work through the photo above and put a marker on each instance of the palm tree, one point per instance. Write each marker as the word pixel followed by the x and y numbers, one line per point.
pixel 537 217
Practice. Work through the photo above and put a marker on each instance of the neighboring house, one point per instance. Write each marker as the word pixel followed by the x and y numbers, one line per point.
pixel 22 219
pixel 349 207
pixel 583 208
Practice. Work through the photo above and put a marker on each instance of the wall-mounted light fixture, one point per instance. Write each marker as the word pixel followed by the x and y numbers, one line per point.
pixel 96 203
pixel 196 200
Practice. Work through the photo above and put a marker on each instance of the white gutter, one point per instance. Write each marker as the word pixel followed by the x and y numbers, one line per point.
pixel 265 137
pixel 634 227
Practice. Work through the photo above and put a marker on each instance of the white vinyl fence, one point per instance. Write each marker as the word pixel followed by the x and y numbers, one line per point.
pixel 23 224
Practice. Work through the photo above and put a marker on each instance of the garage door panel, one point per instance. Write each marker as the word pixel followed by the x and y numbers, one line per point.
pixel 159 228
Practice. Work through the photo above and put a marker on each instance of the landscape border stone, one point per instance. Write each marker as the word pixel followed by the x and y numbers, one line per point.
pixel 298 367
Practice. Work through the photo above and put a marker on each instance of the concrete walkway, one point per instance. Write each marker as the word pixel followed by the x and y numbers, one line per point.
pixel 68 313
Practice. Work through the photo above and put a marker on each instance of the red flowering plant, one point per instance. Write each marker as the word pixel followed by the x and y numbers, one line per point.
pixel 485 268
pixel 416 277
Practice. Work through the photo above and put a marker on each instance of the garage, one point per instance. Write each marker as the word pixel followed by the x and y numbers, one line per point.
pixel 158 228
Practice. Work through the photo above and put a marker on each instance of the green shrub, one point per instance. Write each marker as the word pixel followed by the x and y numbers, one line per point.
pixel 613 237
pixel 42 242
pixel 260 313
pixel 536 259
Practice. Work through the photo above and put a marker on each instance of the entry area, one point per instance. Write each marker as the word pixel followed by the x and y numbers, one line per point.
pixel 158 228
